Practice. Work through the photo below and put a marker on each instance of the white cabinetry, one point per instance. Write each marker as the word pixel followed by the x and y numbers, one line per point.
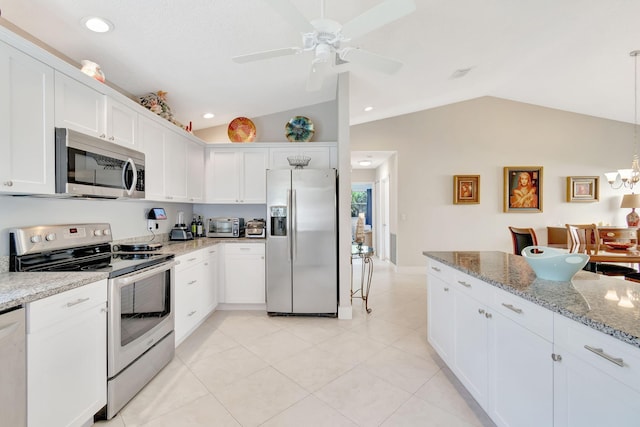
pixel 322 157
pixel 152 138
pixel 175 167
pixel 596 378
pixel 86 110
pixel 497 344
pixel 211 277
pixel 236 175
pixel 189 289
pixel 244 276
pixel 67 357
pixel 195 172
pixel 26 124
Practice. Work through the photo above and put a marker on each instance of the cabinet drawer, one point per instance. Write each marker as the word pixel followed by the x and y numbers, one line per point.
pixel 56 308
pixel 533 317
pixel 475 288
pixel 244 248
pixel 189 260
pixel 438 269
pixel 604 353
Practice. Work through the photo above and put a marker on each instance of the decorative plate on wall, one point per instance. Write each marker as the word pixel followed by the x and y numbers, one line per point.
pixel 241 129
pixel 299 129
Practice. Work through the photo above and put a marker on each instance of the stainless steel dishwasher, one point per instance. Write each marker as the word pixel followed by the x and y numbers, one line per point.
pixel 13 370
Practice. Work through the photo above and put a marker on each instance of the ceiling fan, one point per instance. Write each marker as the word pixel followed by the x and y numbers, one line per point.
pixel 324 37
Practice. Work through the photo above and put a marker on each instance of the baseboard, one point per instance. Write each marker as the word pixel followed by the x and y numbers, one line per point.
pixel 345 312
pixel 229 307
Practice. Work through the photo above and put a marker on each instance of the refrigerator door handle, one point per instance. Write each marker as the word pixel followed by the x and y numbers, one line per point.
pixel 294 221
pixel 288 230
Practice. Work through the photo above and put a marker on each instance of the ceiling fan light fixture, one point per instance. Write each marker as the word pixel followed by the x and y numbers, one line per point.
pixel 323 53
pixel 97 24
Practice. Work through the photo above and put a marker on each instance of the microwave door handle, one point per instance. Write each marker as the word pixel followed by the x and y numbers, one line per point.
pixel 131 189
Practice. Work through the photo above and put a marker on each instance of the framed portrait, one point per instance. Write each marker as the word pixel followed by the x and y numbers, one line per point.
pixel 582 189
pixel 523 189
pixel 466 189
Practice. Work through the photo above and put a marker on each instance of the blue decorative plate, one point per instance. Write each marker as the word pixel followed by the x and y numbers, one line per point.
pixel 299 129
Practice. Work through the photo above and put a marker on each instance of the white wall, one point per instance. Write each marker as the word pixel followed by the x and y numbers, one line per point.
pixel 481 136
pixel 128 219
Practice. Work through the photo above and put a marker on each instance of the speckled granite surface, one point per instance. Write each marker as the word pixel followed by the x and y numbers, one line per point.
pixel 21 288
pixel 582 299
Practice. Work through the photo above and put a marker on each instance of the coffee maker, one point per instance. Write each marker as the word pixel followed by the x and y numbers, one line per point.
pixel 180 231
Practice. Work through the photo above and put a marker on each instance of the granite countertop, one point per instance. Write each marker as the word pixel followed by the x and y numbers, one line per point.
pixel 582 300
pixel 21 288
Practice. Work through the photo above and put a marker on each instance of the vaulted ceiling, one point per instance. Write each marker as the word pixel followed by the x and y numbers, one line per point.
pixel 570 54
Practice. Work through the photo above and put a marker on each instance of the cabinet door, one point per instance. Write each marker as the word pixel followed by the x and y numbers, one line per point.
pixel 223 177
pixel 521 375
pixel 122 124
pixel 440 317
pixel 211 279
pixel 244 273
pixel 26 124
pixel 152 140
pixel 470 359
pixel 175 167
pixel 79 107
pixel 254 167
pixel 188 305
pixel 320 157
pixel 67 357
pixel 195 172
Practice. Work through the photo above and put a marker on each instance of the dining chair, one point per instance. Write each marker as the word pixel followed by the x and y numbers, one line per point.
pixel 521 238
pixel 588 236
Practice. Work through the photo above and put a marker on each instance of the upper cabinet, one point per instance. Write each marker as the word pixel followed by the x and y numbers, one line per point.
pixel 236 175
pixel 26 124
pixel 195 172
pixel 322 157
pixel 86 110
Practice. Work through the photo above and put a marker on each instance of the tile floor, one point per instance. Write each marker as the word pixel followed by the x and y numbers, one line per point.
pixel 243 368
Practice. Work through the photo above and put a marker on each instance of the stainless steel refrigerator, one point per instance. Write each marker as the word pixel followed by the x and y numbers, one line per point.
pixel 302 239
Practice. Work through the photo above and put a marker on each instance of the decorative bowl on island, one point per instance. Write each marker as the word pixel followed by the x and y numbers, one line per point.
pixel 554 264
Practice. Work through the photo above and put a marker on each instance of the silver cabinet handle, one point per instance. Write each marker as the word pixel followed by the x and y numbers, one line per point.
pixel 481 311
pixel 8 183
pixel 78 301
pixel 465 284
pixel 600 352
pixel 436 269
pixel 556 357
pixel 191 259
pixel 446 289
pixel 488 315
pixel 192 282
pixel 192 313
pixel 512 308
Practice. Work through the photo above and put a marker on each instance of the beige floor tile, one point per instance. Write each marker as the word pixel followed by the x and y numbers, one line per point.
pixel 280 345
pixel 224 368
pixel 313 368
pixel 246 329
pixel 417 412
pixel 260 396
pixel 401 369
pixel 312 329
pixel 351 347
pixel 203 343
pixel 362 397
pixel 446 392
pixel 172 388
pixel 203 412
pixel 416 343
pixel 309 412
pixel 381 330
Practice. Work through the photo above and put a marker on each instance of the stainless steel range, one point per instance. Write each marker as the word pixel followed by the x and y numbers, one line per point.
pixel 140 298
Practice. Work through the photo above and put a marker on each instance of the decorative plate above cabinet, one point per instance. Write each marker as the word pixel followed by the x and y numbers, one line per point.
pixel 241 129
pixel 299 129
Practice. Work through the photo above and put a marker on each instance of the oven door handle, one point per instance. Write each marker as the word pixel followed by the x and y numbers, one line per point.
pixel 146 273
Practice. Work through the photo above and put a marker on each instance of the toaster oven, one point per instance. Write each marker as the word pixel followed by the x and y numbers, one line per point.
pixel 225 227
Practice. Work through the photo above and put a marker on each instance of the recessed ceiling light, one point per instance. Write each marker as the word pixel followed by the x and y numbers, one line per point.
pixel 369 108
pixel 97 24
pixel 364 162
pixel 208 115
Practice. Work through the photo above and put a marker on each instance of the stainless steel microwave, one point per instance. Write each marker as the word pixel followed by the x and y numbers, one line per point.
pixel 225 227
pixel 92 167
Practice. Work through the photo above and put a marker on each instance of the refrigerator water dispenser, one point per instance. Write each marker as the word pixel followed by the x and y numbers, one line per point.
pixel 278 220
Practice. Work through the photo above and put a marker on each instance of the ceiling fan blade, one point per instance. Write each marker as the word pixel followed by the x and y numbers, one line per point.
pixel 317 73
pixel 291 14
pixel 376 17
pixel 371 60
pixel 241 59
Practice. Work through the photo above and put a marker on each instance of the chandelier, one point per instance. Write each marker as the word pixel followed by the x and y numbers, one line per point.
pixel 629 177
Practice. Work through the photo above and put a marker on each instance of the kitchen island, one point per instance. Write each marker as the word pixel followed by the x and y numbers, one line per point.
pixel 534 352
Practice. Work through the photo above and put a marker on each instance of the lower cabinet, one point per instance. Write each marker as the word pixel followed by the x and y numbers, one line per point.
pixel 244 275
pixel 67 357
pixel 596 378
pixel 440 316
pixel 211 277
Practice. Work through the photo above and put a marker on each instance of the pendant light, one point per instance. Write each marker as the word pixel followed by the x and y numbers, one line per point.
pixel 629 177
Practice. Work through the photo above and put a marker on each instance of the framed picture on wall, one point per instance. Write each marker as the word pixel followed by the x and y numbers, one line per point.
pixel 582 189
pixel 466 189
pixel 523 189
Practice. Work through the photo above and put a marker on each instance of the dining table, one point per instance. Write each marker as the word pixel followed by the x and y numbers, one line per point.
pixel 599 253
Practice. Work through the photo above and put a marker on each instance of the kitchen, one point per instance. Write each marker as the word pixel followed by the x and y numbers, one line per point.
pixel 20 210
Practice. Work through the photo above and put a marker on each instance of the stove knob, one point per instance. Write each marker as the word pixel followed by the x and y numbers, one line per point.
pixel 97 232
pixel 107 232
pixel 36 239
pixel 50 237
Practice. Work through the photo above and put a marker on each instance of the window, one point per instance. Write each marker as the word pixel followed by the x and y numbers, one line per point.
pixel 359 202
